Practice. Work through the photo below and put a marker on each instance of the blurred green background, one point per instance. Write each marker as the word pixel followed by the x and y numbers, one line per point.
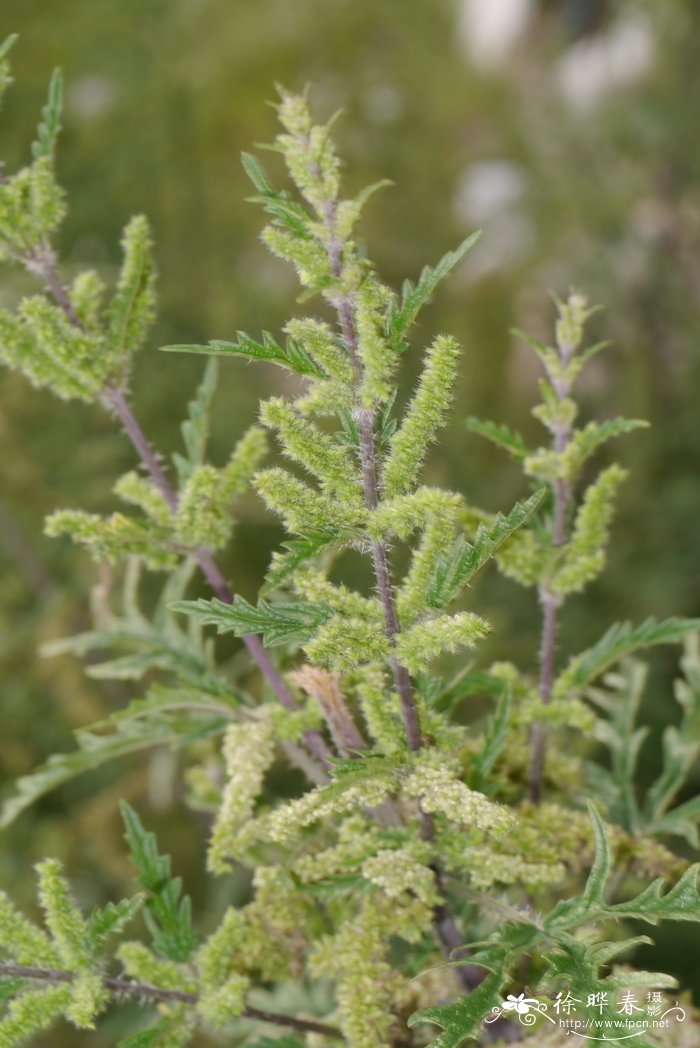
pixel 567 130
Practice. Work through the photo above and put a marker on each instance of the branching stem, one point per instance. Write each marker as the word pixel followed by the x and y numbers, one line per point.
pixel 158 995
pixel 115 400
pixel 366 420
pixel 444 926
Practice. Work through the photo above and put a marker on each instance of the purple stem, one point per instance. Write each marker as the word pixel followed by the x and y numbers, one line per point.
pixel 114 399
pixel 444 926
pixel 551 602
pixel 129 988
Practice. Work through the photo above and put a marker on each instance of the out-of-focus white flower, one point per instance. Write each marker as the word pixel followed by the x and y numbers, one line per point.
pixel 382 103
pixel 488 196
pixel 487 188
pixel 91 96
pixel 595 66
pixel 489 29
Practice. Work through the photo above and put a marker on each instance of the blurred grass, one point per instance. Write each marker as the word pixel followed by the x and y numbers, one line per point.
pixel 162 97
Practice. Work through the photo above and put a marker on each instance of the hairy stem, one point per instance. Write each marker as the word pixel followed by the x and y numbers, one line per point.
pixel 444 926
pixel 550 602
pixel 368 456
pixel 44 265
pixel 146 992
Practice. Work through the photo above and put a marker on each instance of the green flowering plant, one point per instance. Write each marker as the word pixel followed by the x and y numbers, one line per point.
pixel 427 867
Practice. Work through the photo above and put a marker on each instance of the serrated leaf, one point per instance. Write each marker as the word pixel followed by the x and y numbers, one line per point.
pixel 681 747
pixel 620 640
pixel 350 435
pixel 112 918
pixel 459 566
pixel 681 821
pixel 168 913
pixel 277 1042
pixel 279 623
pixel 585 442
pixel 94 750
pixel 494 740
pixel 257 174
pixel 299 550
pixel 624 740
pixel 603 952
pixel 163 698
pixel 568 969
pixel 286 212
pixel 679 903
pixel 679 755
pixel 577 910
pixel 471 682
pixel 50 126
pixel 413 298
pixel 348 772
pixel 195 429
pixel 158 651
pixel 462 1020
pixel 502 435
pixel 172 1031
pixel 292 355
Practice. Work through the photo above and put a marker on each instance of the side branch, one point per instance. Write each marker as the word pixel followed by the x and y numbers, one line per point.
pixel 147 992
pixel 114 400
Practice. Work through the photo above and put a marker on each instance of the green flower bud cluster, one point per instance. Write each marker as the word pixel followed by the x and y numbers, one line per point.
pixel 416 814
pixel 550 553
pixel 201 519
pixel 248 753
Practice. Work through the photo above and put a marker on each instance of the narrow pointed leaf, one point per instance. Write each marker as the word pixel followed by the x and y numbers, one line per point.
pixel 502 435
pixel 292 356
pixel 195 429
pixel 462 1020
pixel 278 623
pixel 168 912
pixel 415 297
pixel 494 740
pixel 298 551
pixel 620 640
pixel 460 564
pixel 98 749
pixel 50 126
pixel 256 173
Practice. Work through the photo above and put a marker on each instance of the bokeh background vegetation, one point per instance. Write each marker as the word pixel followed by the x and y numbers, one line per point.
pixel 566 129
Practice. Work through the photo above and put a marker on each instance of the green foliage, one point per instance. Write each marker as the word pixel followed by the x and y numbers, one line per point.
pixel 620 700
pixel 618 642
pixel 413 298
pixel 169 917
pixel 354 881
pixel 50 126
pixel 457 568
pixel 278 623
pixel 132 309
pixel 292 356
pixel 566 959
